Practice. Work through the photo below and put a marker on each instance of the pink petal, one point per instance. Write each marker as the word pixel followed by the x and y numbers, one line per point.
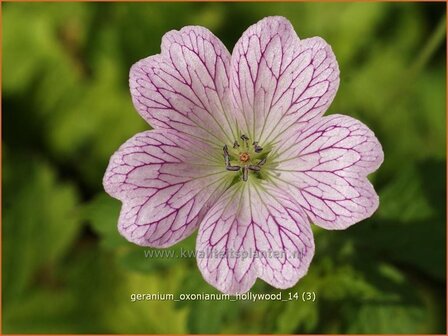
pixel 166 182
pixel 249 222
pixel 278 80
pixel 326 166
pixel 186 87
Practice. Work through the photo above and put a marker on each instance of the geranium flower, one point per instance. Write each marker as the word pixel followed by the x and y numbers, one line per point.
pixel 241 151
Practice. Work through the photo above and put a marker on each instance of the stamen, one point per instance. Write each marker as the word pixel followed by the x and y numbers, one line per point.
pixel 245 139
pixel 257 148
pixel 244 156
pixel 233 168
pixel 245 173
pixel 254 168
pixel 229 167
pixel 226 155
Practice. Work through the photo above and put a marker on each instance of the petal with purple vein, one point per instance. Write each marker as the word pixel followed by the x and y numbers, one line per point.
pixel 253 231
pixel 166 182
pixel 186 87
pixel 277 80
pixel 325 167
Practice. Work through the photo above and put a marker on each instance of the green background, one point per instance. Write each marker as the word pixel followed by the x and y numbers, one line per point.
pixel 67 108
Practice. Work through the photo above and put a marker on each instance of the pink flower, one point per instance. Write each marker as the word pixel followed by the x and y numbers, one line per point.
pixel 241 151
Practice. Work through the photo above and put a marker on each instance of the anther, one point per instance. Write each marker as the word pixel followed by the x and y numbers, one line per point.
pixel 229 167
pixel 245 139
pixel 254 168
pixel 244 157
pixel 232 168
pixel 226 155
pixel 257 148
pixel 245 173
pixel 262 162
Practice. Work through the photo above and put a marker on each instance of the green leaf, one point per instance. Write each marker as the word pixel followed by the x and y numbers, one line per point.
pixel 27 54
pixel 149 260
pixel 205 316
pixel 420 244
pixel 148 316
pixel 102 214
pixel 404 199
pixel 34 315
pixel 410 225
pixel 432 105
pixel 40 221
pixel 389 318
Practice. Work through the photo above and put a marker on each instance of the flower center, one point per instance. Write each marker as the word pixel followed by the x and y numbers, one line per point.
pixel 244 157
pixel 250 157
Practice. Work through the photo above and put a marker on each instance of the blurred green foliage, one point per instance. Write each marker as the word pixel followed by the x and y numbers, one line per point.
pixel 67 108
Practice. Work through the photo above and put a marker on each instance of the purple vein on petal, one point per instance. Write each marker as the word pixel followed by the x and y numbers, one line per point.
pixel 276 76
pixel 326 166
pixel 186 86
pixel 164 189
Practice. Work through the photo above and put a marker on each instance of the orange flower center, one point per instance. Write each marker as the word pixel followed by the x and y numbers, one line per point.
pixel 244 157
